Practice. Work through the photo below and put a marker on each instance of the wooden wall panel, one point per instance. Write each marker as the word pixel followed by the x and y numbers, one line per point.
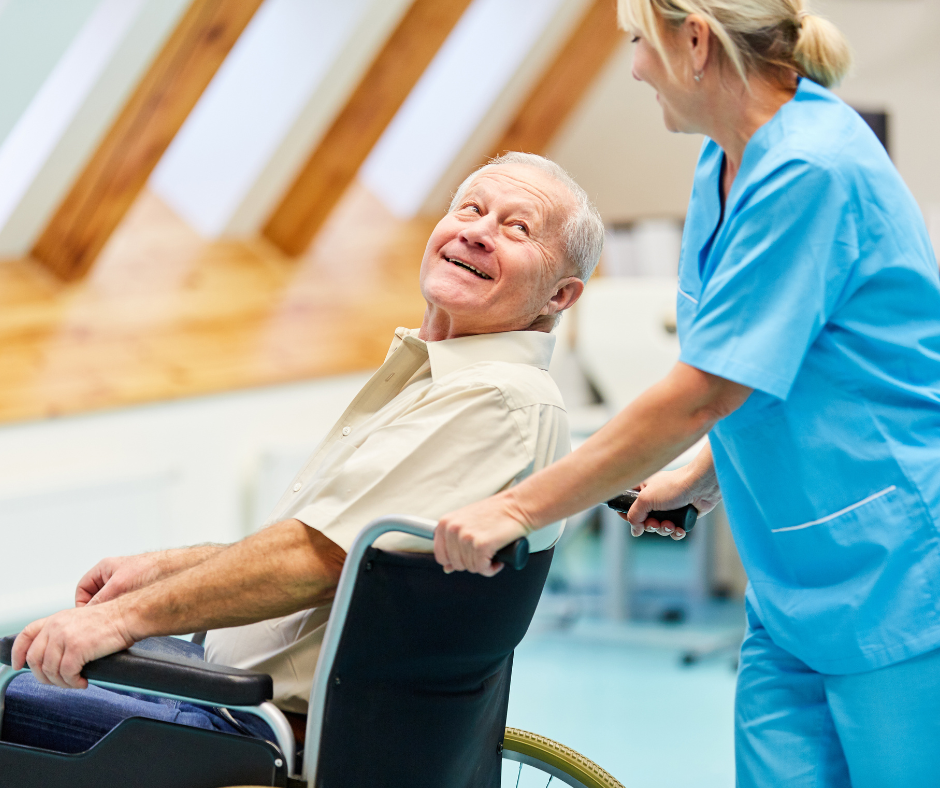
pixel 334 163
pixel 561 87
pixel 168 314
pixel 143 130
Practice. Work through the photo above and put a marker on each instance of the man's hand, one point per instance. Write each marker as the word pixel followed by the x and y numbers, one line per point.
pixel 112 577
pixel 694 484
pixel 467 539
pixel 57 648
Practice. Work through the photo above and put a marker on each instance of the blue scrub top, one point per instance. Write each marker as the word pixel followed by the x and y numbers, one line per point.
pixel 818 288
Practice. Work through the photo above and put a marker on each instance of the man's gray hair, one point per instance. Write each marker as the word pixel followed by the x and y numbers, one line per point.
pixel 584 228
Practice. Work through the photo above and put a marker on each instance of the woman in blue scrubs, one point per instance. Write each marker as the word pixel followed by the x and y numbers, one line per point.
pixel 809 320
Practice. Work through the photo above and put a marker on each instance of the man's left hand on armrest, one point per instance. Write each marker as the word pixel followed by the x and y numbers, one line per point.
pixel 279 570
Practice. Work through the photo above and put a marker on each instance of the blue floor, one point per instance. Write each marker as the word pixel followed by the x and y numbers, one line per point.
pixel 620 695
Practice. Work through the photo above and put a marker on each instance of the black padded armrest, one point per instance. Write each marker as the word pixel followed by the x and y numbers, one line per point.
pixel 142 669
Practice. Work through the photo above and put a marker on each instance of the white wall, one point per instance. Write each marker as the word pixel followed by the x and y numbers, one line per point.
pixel 33 36
pixel 76 489
pixel 268 106
pixel 447 106
pixel 617 148
pixel 52 140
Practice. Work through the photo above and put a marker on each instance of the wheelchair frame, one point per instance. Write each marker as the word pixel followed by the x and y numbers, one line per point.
pixel 416 526
pixel 520 746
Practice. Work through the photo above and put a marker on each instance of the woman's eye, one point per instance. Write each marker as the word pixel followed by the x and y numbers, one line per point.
pixel 634 39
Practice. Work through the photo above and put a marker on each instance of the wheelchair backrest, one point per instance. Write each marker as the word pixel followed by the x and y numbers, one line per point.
pixel 419 687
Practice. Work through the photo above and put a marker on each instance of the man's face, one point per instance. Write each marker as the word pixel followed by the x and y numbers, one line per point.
pixel 495 261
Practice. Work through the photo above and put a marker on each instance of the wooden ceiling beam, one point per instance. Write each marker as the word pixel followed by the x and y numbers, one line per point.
pixel 123 161
pixel 557 93
pixel 340 153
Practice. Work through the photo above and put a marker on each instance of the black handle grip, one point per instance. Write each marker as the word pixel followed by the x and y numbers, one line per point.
pixel 515 555
pixel 682 518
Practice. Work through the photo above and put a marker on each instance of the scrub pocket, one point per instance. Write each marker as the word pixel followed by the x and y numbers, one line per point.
pixel 862 539
pixel 835 510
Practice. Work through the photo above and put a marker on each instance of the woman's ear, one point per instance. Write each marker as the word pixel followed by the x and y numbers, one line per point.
pixel 698 35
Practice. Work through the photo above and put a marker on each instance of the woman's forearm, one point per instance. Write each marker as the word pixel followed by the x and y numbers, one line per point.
pixel 701 472
pixel 650 432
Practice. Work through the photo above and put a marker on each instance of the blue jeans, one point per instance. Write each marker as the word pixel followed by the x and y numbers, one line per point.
pixel 72 721
pixel 798 728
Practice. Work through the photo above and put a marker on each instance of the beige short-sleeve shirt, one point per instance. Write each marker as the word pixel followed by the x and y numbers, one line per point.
pixel 438 426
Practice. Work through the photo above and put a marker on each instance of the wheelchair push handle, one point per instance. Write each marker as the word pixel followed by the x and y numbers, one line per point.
pixel 682 518
pixel 515 554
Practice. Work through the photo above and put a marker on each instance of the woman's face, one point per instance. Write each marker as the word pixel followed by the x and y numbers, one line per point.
pixel 674 91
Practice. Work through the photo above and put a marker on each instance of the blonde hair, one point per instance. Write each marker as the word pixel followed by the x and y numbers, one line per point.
pixel 757 36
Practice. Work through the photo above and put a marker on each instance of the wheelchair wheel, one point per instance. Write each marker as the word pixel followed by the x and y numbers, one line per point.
pixel 538 757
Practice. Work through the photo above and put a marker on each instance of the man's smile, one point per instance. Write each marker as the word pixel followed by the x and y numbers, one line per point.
pixel 469 267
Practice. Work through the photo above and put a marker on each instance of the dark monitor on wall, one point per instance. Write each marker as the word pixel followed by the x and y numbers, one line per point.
pixel 878 121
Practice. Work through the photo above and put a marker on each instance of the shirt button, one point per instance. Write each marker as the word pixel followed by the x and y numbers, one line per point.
pixel 347 430
pixel 297 486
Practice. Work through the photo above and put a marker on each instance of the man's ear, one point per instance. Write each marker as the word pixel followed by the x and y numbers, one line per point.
pixel 567 292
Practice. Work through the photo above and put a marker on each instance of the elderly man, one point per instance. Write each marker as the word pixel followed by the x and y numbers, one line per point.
pixel 462 408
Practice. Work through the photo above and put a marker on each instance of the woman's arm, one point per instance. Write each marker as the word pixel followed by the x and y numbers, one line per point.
pixel 655 428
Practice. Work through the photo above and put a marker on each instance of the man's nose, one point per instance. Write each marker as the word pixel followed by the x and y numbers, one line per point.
pixel 479 234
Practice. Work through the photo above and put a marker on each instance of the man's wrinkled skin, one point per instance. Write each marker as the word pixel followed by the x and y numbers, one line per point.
pixel 509 228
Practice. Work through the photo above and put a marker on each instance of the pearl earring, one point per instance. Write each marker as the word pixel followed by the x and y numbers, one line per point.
pixel 697 77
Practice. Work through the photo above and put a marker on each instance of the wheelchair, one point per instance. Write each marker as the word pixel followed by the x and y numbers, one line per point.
pixel 411 689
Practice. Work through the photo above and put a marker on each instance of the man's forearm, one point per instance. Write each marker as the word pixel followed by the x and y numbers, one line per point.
pixel 171 562
pixel 650 432
pixel 280 570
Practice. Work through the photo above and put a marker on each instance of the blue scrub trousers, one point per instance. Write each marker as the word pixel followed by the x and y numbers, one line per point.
pixel 798 728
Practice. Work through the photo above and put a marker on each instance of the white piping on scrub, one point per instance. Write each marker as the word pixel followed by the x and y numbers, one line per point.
pixel 682 292
pixel 832 516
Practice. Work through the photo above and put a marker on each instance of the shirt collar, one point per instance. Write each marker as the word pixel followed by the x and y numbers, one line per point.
pixel 449 355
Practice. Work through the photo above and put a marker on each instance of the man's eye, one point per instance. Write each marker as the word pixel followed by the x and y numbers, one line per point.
pixel 472 207
pixel 522 227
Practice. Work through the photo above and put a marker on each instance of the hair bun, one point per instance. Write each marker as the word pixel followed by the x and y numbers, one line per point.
pixel 821 50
